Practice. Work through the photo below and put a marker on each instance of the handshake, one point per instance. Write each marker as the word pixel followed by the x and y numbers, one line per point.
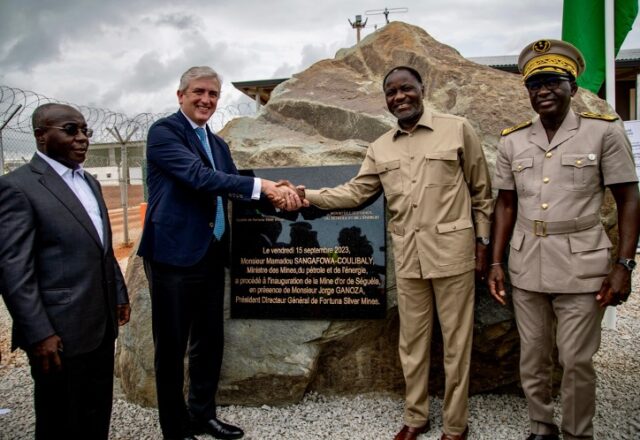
pixel 285 195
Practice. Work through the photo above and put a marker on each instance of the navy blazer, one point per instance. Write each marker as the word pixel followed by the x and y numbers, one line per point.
pixel 55 275
pixel 183 187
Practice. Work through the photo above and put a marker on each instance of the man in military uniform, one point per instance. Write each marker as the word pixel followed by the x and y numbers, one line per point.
pixel 434 176
pixel 551 173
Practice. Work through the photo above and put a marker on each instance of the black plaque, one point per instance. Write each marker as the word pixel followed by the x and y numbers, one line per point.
pixel 310 264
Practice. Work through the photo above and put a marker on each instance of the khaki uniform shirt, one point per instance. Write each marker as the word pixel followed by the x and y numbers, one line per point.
pixel 437 187
pixel 557 181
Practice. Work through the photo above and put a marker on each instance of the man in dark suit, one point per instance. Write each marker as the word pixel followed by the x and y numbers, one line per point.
pixel 185 245
pixel 60 279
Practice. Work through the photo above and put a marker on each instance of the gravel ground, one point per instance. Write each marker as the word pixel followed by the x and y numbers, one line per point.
pixel 371 416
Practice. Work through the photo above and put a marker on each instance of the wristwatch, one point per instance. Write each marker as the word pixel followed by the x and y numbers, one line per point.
pixel 484 240
pixel 628 263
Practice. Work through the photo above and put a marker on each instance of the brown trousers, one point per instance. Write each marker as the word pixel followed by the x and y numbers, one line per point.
pixel 574 321
pixel 453 298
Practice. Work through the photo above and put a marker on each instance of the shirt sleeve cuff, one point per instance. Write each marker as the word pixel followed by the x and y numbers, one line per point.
pixel 483 230
pixel 257 185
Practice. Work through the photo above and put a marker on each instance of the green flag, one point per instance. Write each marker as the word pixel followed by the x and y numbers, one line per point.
pixel 583 26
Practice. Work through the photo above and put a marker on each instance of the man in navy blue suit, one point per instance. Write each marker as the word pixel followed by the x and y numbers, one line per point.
pixel 185 244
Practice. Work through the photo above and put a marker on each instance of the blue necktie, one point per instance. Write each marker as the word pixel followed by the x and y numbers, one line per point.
pixel 218 227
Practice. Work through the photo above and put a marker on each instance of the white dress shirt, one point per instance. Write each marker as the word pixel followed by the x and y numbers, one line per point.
pixel 77 183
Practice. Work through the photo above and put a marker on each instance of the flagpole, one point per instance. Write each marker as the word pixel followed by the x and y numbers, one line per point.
pixel 609 319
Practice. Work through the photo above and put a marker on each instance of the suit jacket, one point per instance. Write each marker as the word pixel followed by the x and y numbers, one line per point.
pixel 183 187
pixel 55 275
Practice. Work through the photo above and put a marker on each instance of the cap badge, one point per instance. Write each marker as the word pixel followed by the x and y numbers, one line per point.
pixel 542 46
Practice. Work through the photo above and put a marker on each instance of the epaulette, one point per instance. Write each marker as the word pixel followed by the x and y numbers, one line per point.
pixel 590 115
pixel 510 130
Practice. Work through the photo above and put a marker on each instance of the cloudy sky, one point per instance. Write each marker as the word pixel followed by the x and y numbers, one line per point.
pixel 127 55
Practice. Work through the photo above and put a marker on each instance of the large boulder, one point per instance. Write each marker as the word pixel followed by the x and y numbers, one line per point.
pixel 327 115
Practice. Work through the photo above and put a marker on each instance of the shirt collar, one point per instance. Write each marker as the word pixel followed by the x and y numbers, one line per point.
pixel 193 124
pixel 58 167
pixel 426 121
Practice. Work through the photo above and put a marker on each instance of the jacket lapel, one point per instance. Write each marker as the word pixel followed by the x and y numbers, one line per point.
pixel 104 213
pixel 566 131
pixel 59 189
pixel 193 138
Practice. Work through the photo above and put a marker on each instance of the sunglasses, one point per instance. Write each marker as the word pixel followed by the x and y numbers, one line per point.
pixel 72 129
pixel 551 83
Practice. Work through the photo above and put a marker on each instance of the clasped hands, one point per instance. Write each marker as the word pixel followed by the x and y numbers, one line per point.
pixel 284 195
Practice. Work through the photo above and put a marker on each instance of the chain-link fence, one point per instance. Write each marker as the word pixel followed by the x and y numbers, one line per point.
pixel 117 153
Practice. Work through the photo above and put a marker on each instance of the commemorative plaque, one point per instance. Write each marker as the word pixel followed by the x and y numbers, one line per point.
pixel 309 264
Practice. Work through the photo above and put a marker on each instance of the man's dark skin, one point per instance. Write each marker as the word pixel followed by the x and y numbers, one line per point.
pixel 553 106
pixel 70 151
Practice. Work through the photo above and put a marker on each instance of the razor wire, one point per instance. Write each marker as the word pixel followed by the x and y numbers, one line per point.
pixel 16 137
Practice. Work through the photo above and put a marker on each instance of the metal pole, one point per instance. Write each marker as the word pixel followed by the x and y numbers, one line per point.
pixel 1 145
pixel 609 318
pixel 124 190
pixel 123 178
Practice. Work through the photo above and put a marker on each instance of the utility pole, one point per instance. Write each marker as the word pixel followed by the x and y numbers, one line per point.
pixel 357 25
pixel 386 12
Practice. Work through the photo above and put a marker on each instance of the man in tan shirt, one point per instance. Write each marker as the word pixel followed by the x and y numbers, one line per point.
pixel 551 173
pixel 433 173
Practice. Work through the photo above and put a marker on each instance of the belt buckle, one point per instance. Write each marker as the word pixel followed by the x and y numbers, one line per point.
pixel 540 228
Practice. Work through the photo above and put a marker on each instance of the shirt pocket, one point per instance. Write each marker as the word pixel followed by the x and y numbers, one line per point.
pixel 456 242
pixel 590 253
pixel 442 167
pixel 390 176
pixel 523 174
pixel 580 171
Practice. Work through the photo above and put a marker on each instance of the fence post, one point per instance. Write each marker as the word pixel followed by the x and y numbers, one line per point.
pixel 123 178
pixel 4 124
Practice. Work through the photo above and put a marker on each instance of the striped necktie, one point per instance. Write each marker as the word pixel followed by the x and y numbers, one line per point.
pixel 218 227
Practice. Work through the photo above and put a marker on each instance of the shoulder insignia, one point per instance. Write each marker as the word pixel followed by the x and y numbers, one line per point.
pixel 590 115
pixel 510 130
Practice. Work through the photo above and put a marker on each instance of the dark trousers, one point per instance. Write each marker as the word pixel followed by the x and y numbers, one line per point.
pixel 75 403
pixel 187 308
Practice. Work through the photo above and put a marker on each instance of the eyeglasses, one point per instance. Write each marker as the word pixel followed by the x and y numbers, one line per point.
pixel 550 83
pixel 72 129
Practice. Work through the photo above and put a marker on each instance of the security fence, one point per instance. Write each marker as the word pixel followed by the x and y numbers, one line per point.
pixel 117 153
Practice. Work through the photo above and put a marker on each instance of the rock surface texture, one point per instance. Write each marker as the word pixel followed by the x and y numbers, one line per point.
pixel 327 115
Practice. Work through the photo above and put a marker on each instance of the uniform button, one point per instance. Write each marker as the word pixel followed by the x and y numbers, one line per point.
pixel 411 157
pixel 211 225
pixel 415 205
pixel 578 162
pixel 417 229
pixel 549 154
pixel 454 227
pixel 414 181
pixel 519 167
pixel 545 180
pixel 544 206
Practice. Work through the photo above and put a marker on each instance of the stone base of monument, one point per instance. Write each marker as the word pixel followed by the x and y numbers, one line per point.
pixel 275 362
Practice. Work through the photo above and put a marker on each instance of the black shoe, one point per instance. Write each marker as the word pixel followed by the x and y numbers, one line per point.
pixel 543 437
pixel 216 428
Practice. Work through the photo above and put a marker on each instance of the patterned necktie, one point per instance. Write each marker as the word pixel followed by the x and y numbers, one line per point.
pixel 218 228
